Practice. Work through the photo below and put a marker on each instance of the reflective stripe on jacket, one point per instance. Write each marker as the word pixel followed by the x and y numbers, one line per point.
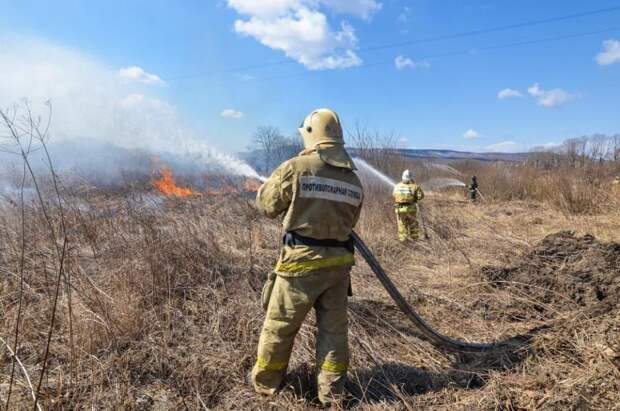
pixel 407 193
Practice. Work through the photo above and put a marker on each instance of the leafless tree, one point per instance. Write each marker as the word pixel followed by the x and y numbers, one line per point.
pixel 615 144
pixel 373 145
pixel 598 147
pixel 274 146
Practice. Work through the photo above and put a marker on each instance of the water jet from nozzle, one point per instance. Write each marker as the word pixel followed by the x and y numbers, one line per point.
pixel 438 183
pixel 363 165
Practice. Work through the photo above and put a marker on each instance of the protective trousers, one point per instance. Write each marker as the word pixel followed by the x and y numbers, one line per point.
pixel 408 227
pixel 289 303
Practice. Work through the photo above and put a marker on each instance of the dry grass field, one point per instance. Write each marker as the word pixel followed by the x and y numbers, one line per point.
pixel 158 301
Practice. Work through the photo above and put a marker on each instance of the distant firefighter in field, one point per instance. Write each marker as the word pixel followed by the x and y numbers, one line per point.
pixel 320 196
pixel 473 189
pixel 407 194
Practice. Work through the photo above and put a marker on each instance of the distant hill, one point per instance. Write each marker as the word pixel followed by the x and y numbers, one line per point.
pixel 256 158
pixel 461 155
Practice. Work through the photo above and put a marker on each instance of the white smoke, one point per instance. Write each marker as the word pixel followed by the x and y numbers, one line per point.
pixel 91 102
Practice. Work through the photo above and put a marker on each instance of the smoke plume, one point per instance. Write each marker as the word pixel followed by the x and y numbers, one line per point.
pixel 103 123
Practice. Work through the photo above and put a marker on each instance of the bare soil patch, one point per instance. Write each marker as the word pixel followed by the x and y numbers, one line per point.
pixel 566 271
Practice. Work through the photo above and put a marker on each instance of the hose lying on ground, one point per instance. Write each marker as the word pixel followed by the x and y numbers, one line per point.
pixel 433 336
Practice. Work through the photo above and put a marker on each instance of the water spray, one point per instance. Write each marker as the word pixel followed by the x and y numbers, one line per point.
pixel 382 177
pixel 444 167
pixel 202 152
pixel 443 182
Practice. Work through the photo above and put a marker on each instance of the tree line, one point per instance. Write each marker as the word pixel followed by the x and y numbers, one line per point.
pixel 578 152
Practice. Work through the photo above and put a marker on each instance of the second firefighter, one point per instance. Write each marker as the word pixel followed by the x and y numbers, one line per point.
pixel 407 194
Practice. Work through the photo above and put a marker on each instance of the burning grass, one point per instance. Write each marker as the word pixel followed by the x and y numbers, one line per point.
pixel 159 306
pixel 167 186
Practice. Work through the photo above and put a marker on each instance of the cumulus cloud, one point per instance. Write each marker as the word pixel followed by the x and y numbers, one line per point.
pixel 508 93
pixel 610 53
pixel 505 147
pixel 301 29
pixel 402 63
pixel 135 73
pixel 471 134
pixel 550 98
pixel 91 102
pixel 231 113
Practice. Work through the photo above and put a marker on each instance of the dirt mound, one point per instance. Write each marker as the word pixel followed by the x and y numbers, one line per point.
pixel 567 272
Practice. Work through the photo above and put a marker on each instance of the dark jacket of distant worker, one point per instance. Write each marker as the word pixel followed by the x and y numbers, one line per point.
pixel 473 189
pixel 320 196
pixel 407 194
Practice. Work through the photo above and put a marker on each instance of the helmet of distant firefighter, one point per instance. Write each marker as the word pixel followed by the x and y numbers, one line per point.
pixel 407 176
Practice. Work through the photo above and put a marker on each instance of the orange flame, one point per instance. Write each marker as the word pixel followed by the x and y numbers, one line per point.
pixel 166 185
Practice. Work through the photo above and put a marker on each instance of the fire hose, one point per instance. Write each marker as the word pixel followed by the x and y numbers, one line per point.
pixel 429 333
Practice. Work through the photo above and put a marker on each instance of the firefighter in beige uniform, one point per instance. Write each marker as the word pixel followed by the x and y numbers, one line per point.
pixel 320 196
pixel 406 196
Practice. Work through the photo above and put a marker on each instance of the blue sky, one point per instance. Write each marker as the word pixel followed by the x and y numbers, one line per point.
pixel 223 68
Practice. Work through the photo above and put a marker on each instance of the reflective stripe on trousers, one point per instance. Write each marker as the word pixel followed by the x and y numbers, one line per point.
pixel 408 227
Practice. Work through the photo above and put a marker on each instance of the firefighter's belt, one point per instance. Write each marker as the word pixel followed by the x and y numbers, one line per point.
pixel 293 239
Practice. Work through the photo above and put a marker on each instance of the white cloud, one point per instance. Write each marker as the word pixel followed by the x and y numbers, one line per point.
pixel 610 53
pixel 231 113
pixel 300 28
pixel 265 8
pixel 274 8
pixel 505 147
pixel 508 93
pixel 471 134
pixel 550 98
pixel 402 63
pixel 135 73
